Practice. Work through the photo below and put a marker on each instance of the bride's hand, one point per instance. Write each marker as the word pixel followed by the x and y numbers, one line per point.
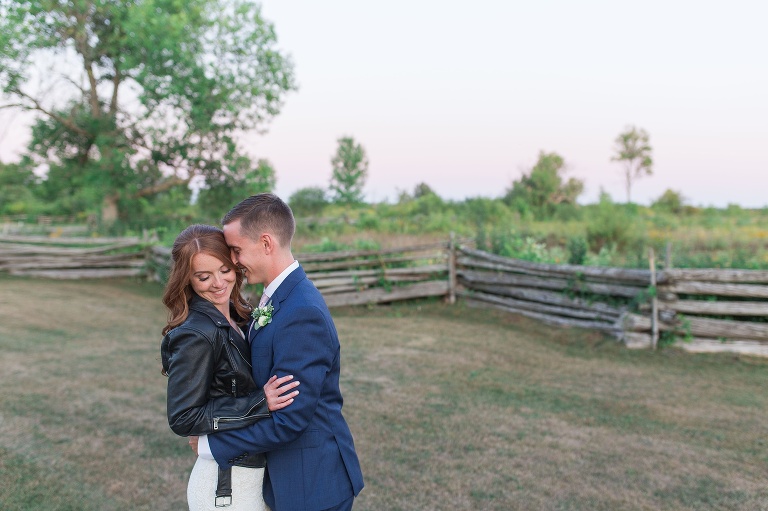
pixel 193 440
pixel 279 397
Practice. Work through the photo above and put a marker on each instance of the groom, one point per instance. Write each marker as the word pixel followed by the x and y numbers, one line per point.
pixel 311 459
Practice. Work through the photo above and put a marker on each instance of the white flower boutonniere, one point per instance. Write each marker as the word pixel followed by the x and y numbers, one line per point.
pixel 263 315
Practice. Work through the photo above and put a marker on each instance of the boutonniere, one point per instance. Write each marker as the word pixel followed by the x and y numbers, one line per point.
pixel 263 315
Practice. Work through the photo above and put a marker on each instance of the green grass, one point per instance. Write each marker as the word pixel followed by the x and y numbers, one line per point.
pixel 451 408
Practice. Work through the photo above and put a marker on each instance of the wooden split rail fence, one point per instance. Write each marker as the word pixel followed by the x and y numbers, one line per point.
pixel 703 310
pixel 363 277
pixel 72 258
pixel 700 309
pixel 708 309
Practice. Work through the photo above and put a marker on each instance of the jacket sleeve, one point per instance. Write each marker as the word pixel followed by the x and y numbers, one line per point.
pixel 190 361
pixel 303 348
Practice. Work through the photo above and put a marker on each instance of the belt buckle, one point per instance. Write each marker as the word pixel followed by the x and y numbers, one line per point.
pixel 224 501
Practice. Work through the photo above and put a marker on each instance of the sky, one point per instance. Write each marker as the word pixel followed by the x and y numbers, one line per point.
pixel 463 96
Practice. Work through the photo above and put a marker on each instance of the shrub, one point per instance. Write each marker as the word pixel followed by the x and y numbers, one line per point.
pixel 611 225
pixel 670 201
pixel 607 256
pixel 309 201
pixel 577 248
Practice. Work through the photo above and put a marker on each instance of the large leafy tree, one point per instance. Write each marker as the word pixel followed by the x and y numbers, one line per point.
pixel 350 170
pixel 541 190
pixel 138 97
pixel 633 150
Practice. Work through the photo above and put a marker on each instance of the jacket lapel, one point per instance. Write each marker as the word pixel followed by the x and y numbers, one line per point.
pixel 281 293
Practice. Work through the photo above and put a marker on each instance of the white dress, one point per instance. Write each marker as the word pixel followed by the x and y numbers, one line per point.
pixel 246 488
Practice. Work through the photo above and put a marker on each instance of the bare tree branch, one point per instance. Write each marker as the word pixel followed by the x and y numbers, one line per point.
pixel 62 120
pixel 162 187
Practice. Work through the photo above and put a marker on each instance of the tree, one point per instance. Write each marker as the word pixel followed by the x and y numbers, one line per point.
pixel 544 187
pixel 219 196
pixel 422 190
pixel 634 151
pixel 671 201
pixel 140 96
pixel 308 201
pixel 350 170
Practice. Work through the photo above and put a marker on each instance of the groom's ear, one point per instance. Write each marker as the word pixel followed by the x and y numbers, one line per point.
pixel 268 242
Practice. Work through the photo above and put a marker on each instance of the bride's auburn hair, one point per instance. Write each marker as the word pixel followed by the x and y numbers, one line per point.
pixel 197 239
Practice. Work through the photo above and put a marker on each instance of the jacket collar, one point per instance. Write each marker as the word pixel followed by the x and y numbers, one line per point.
pixel 203 306
pixel 285 288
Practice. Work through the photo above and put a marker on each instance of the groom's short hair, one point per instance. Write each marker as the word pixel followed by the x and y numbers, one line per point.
pixel 263 212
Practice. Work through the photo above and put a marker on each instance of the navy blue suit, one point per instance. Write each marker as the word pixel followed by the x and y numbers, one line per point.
pixel 311 459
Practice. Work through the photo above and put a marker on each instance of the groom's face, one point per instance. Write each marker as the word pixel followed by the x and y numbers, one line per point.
pixel 248 254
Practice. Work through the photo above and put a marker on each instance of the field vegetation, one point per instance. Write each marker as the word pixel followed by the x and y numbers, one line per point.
pixel 603 234
pixel 451 408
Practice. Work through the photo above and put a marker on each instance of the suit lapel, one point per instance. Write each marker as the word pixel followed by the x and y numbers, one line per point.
pixel 281 293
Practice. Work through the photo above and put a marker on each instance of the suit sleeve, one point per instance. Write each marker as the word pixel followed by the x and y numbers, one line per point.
pixel 303 347
pixel 190 360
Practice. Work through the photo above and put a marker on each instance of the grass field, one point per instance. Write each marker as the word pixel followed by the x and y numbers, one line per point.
pixel 452 408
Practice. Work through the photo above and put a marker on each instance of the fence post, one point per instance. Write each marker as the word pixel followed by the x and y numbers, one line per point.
pixel 452 269
pixel 654 301
pixel 668 256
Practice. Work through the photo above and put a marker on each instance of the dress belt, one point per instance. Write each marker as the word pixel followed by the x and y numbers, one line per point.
pixel 224 488
pixel 224 484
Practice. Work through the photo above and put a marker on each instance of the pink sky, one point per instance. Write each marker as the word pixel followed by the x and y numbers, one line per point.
pixel 464 95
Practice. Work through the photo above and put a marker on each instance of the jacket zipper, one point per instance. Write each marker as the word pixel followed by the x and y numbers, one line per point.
pixel 216 420
pixel 232 343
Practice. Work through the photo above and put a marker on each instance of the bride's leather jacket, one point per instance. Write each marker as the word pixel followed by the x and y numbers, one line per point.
pixel 210 386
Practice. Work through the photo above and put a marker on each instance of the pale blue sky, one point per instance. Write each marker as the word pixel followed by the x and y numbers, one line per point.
pixel 464 95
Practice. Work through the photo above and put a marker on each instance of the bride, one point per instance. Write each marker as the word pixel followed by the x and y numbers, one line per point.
pixel 207 360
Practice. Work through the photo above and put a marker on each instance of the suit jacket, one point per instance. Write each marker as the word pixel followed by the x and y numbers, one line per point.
pixel 311 459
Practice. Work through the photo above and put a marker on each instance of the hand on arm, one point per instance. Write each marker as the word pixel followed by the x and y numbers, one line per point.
pixel 305 350
pixel 275 401
pixel 279 397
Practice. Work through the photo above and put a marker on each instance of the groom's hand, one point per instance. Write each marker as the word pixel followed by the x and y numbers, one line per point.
pixel 278 397
pixel 193 443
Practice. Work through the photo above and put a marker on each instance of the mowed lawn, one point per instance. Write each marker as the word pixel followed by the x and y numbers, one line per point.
pixel 451 407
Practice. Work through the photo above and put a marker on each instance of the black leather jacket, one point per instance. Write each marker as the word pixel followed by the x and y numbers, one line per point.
pixel 210 386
